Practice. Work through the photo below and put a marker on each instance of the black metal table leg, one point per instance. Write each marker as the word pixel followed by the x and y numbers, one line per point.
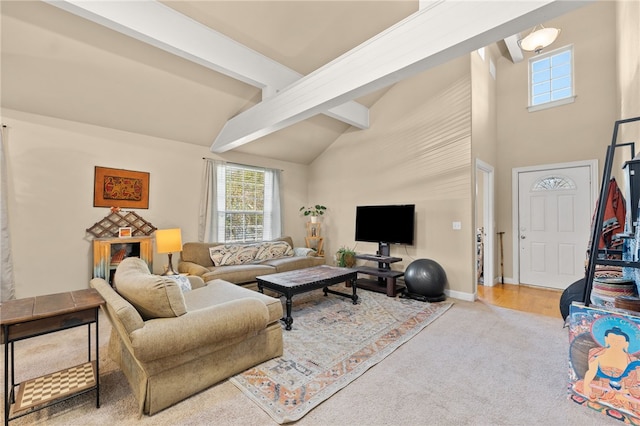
pixel 97 359
pixel 7 398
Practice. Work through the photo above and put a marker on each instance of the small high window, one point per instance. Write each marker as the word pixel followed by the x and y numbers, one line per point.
pixel 551 79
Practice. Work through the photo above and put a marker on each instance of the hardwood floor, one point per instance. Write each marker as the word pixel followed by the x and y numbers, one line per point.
pixel 523 298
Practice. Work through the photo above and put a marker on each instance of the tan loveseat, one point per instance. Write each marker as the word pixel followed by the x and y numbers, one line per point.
pixel 172 343
pixel 195 259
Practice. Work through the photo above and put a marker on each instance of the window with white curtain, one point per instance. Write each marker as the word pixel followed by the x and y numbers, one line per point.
pixel 244 203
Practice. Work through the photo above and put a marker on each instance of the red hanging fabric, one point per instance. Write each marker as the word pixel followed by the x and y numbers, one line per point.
pixel 613 222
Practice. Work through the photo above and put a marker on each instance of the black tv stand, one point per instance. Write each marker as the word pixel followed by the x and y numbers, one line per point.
pixel 385 281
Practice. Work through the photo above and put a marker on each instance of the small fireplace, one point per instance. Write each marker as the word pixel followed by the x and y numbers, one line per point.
pixel 109 252
pixel 124 250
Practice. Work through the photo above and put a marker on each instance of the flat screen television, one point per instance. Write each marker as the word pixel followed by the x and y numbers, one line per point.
pixel 386 224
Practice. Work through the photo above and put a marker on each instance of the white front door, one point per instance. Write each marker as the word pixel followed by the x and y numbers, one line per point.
pixel 554 223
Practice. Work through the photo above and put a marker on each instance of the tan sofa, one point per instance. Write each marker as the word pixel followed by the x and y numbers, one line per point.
pixel 195 259
pixel 171 344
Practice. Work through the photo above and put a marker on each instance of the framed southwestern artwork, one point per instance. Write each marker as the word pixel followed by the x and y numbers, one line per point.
pixel 120 188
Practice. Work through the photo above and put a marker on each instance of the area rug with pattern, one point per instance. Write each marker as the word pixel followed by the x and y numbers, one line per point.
pixel 332 343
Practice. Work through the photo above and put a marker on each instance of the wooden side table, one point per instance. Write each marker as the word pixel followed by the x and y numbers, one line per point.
pixel 34 316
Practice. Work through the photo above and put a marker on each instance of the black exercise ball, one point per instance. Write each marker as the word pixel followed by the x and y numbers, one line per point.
pixel 425 278
pixel 573 293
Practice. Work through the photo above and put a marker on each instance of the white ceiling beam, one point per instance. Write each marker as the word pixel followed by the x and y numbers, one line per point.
pixel 158 25
pixel 432 36
pixel 514 48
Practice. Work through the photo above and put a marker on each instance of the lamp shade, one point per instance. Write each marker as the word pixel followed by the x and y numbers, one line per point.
pixel 168 240
pixel 538 39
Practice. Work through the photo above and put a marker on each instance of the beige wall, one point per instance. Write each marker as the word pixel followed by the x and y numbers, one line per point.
pixel 628 43
pixel 484 132
pixel 51 168
pixel 577 131
pixel 483 106
pixel 417 151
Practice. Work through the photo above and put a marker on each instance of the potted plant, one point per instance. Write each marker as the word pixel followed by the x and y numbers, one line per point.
pixel 346 257
pixel 313 211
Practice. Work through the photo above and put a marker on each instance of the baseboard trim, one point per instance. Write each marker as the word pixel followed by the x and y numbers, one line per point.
pixel 507 280
pixel 469 297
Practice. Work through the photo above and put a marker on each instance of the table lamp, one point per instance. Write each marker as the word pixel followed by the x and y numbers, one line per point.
pixel 169 241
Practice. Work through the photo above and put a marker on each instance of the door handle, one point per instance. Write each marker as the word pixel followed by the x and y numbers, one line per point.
pixel 522 237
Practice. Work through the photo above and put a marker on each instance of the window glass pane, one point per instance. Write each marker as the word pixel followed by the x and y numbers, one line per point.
pixel 561 58
pixel 560 71
pixel 537 100
pixel 541 88
pixel 561 83
pixel 553 183
pixel 539 76
pixel 244 204
pixel 540 65
pixel 561 94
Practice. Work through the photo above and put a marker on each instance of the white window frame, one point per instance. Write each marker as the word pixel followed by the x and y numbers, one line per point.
pixel 226 210
pixel 272 219
pixel 552 104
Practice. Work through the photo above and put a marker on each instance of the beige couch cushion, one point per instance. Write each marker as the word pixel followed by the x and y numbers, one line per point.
pixel 239 274
pixel 209 328
pixel 127 315
pixel 285 264
pixel 197 253
pixel 219 291
pixel 152 295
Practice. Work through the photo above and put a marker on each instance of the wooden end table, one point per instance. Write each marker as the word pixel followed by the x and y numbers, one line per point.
pixel 308 279
pixel 34 316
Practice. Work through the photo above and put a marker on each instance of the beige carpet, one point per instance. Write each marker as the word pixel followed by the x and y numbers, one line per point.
pixel 332 343
pixel 475 365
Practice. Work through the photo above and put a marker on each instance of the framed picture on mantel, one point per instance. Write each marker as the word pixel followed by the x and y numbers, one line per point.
pixel 120 188
pixel 124 232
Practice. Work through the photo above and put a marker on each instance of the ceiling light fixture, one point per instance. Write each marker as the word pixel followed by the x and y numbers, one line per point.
pixel 539 38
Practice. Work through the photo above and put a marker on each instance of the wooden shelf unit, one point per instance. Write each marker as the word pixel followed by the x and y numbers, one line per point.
pixel 385 281
pixel 313 239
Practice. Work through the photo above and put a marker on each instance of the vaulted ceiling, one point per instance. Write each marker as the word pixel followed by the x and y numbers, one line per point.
pixel 137 73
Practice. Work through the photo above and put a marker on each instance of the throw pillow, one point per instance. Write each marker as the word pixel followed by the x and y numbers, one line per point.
pixel 152 295
pixel 233 254
pixel 304 251
pixel 273 250
pixel 182 281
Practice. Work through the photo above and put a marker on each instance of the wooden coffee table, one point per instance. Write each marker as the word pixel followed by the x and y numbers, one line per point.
pixel 304 280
